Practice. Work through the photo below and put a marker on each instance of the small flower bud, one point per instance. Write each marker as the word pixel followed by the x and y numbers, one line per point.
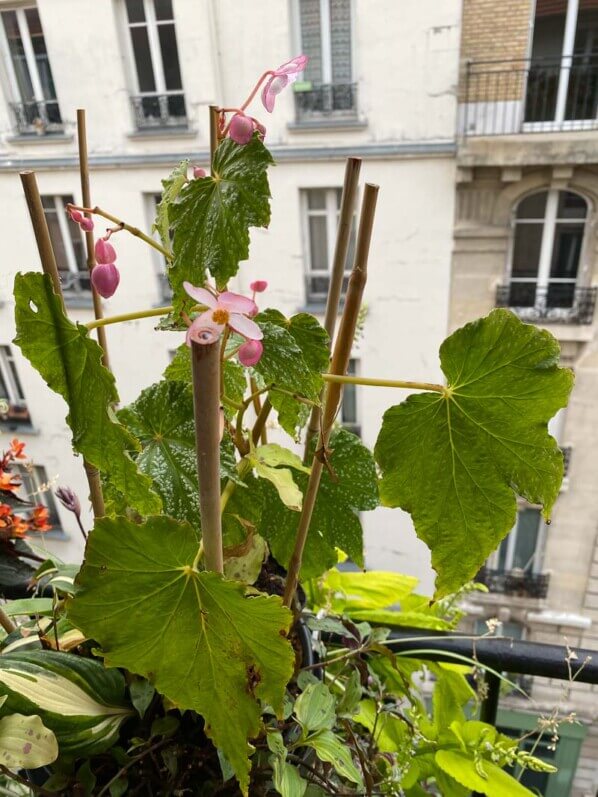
pixel 241 129
pixel 250 352
pixel 105 279
pixel 104 251
pixel 86 224
pixel 69 500
pixel 259 286
pixel 75 215
pixel 198 172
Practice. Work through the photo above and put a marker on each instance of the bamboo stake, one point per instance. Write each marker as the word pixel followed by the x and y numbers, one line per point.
pixel 6 623
pixel 340 361
pixel 89 242
pixel 343 237
pixel 214 135
pixel 48 261
pixel 205 360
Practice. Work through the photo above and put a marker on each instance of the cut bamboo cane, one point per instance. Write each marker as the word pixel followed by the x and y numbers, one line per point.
pixel 48 261
pixel 341 248
pixel 205 361
pixel 339 364
pixel 89 242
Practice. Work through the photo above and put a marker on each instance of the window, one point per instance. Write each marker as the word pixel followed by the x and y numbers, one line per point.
pixel 548 237
pixel 13 407
pixel 328 87
pixel 38 489
pixel 161 264
pixel 563 78
pixel 521 548
pixel 349 407
pixel 34 105
pixel 159 101
pixel 68 245
pixel 321 213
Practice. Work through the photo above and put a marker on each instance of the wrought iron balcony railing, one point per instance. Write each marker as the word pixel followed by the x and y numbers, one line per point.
pixel 152 111
pixel 567 452
pixel 13 416
pixel 517 582
pixel 558 303
pixel 337 100
pixel 530 95
pixel 37 118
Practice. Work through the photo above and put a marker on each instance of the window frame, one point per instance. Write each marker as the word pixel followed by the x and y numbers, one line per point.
pixel 355 426
pixel 331 212
pixel 511 542
pixel 73 288
pixel 151 201
pixel 325 37
pixel 38 490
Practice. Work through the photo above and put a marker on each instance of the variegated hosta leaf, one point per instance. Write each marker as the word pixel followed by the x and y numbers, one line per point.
pixel 26 743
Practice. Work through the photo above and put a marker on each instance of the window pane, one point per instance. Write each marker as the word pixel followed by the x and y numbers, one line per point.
pixel 349 405
pixel 41 54
pixel 316 199
pixel 163 9
pixel 170 57
pixel 143 59
pixel 571 206
pixel 56 238
pixel 566 250
pixel 533 206
pixel 309 16
pixel 12 372
pixel 526 250
pixel 318 243
pixel 340 40
pixel 528 527
pixel 17 54
pixel 135 11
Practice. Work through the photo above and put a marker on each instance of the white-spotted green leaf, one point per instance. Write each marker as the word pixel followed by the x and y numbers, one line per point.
pixel 26 743
pixel 196 637
pixel 77 698
pixel 457 460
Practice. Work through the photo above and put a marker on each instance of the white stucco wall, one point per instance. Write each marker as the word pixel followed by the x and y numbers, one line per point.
pixel 406 59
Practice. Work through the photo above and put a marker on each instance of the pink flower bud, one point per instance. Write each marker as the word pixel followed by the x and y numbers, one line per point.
pixel 259 286
pixel 75 215
pixel 86 224
pixel 69 500
pixel 105 279
pixel 250 352
pixel 104 251
pixel 198 172
pixel 241 129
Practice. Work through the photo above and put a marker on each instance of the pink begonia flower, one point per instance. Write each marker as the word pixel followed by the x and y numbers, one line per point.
pixel 281 78
pixel 105 279
pixel 225 309
pixel 198 172
pixel 86 225
pixel 241 128
pixel 258 286
pixel 84 222
pixel 104 251
pixel 250 352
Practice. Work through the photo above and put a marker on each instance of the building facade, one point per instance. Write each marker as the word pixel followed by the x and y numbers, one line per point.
pixel 380 84
pixel 525 238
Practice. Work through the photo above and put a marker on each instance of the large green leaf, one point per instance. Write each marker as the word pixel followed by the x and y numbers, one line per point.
pixel 456 460
pixel 171 188
pixel 70 362
pixel 212 216
pixel 26 742
pixel 335 521
pixel 495 782
pixel 196 637
pixel 295 355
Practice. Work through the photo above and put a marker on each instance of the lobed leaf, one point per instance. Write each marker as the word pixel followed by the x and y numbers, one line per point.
pixel 456 461
pixel 70 362
pixel 195 636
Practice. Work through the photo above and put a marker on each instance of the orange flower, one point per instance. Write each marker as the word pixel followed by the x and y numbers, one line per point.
pixel 20 526
pixel 9 481
pixel 16 449
pixel 5 513
pixel 39 519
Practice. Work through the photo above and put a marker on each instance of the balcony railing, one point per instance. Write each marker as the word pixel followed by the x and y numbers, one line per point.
pixel 517 582
pixel 558 303
pixel 567 452
pixel 37 118
pixel 13 416
pixel 332 100
pixel 530 95
pixel 155 111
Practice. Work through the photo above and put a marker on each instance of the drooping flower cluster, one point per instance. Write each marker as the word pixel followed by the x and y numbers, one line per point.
pixel 230 310
pixel 84 222
pixel 242 126
pixel 104 275
pixel 15 525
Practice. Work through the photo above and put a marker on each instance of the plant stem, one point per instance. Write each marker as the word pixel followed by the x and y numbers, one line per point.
pixel 259 427
pixel 343 237
pixel 339 363
pixel 134 316
pixel 89 243
pixel 24 782
pixel 205 361
pixel 214 134
pixel 255 89
pixel 6 623
pixel 48 261
pixel 97 211
pixel 257 406
pixel 364 380
pixel 243 468
pixel 131 763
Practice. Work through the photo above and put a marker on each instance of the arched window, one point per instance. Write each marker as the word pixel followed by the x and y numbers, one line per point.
pixel 546 253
